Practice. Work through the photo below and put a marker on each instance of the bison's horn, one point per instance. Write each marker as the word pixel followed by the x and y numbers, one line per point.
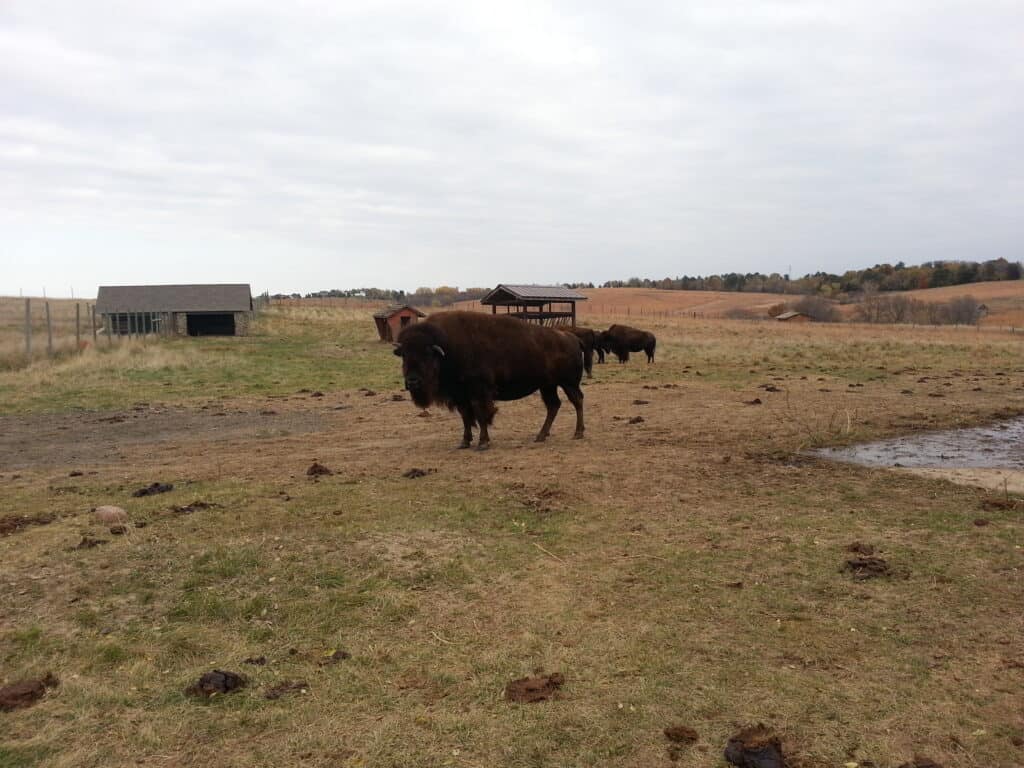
pixel 438 350
pixel 398 350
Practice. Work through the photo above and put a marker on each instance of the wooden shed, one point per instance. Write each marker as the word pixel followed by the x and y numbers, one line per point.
pixel 793 317
pixel 184 310
pixel 393 319
pixel 542 304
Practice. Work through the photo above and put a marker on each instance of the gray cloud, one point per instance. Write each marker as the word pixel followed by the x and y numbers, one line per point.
pixel 318 144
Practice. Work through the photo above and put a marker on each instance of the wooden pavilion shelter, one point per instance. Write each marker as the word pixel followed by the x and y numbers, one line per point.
pixel 541 304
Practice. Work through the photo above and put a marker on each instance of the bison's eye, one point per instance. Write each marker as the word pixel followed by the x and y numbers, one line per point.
pixel 398 350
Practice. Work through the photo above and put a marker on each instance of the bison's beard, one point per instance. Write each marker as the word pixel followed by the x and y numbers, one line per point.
pixel 422 396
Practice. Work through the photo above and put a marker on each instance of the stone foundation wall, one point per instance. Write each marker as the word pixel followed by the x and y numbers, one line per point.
pixel 243 321
pixel 180 323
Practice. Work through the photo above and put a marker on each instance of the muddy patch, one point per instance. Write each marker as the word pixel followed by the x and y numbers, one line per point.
pixel 14 523
pixel 755 747
pixel 216 682
pixel 530 690
pixel 25 693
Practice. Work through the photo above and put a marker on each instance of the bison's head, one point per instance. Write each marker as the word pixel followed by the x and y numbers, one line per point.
pixel 421 348
pixel 601 341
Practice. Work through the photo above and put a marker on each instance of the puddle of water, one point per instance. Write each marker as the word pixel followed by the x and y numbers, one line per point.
pixel 999 446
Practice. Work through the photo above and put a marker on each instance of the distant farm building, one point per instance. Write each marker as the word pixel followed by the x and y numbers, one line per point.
pixel 542 304
pixel 182 310
pixel 793 317
pixel 391 320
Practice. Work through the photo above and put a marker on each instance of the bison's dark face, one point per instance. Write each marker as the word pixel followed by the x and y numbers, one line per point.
pixel 421 367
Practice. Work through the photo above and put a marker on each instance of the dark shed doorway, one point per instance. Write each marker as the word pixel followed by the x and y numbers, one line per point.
pixel 213 324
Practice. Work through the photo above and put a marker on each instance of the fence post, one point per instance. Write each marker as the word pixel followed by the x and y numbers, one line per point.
pixel 78 326
pixel 28 328
pixel 92 319
pixel 49 332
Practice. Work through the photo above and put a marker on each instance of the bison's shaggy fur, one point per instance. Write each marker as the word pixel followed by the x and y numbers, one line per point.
pixel 588 338
pixel 621 340
pixel 467 360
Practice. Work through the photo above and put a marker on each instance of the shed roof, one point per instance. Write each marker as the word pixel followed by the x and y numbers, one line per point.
pixel 791 315
pixel 392 309
pixel 512 293
pixel 223 297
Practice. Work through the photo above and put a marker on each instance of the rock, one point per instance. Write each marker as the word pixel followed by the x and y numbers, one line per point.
pixel 110 515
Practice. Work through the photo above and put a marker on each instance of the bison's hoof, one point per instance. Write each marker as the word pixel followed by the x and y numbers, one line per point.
pixel 465 444
pixel 483 446
pixel 540 438
pixel 578 436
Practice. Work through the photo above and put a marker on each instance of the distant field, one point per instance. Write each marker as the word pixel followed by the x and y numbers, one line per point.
pixel 1004 299
pixel 656 302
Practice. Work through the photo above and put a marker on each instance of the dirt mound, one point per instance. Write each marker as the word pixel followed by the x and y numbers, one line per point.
pixel 316 469
pixel 415 472
pixel 152 489
pixel 25 693
pixel 755 401
pixel 867 567
pixel 258 661
pixel 755 747
pixel 529 690
pixel 860 548
pixel 118 530
pixel 637 420
pixel 211 683
pixel 12 523
pixel 285 687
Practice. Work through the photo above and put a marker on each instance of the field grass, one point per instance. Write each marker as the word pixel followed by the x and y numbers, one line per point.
pixel 682 570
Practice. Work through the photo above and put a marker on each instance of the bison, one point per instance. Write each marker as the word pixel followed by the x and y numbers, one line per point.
pixel 588 338
pixel 467 360
pixel 621 340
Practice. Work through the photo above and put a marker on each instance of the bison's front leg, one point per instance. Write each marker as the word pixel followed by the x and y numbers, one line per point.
pixel 484 411
pixel 466 412
pixel 550 397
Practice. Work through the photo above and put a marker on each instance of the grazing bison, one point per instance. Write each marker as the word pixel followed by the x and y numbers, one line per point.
pixel 467 360
pixel 588 338
pixel 621 340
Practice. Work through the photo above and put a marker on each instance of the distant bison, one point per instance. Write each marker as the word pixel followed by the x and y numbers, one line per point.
pixel 467 360
pixel 588 338
pixel 621 340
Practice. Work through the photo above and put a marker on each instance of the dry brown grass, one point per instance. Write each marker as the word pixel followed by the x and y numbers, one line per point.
pixel 614 560
pixel 62 321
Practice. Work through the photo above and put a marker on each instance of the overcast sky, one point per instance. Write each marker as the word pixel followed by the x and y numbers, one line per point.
pixel 306 145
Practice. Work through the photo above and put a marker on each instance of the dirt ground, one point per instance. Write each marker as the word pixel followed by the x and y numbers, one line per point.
pixel 685 568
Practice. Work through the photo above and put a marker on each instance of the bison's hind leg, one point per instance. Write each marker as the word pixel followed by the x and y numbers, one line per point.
pixel 575 395
pixel 484 411
pixel 550 396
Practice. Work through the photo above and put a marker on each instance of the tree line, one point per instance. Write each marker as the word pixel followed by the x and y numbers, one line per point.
pixel 881 277
pixel 442 296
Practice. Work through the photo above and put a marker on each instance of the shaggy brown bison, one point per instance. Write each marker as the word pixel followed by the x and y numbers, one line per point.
pixel 588 338
pixel 467 360
pixel 621 340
